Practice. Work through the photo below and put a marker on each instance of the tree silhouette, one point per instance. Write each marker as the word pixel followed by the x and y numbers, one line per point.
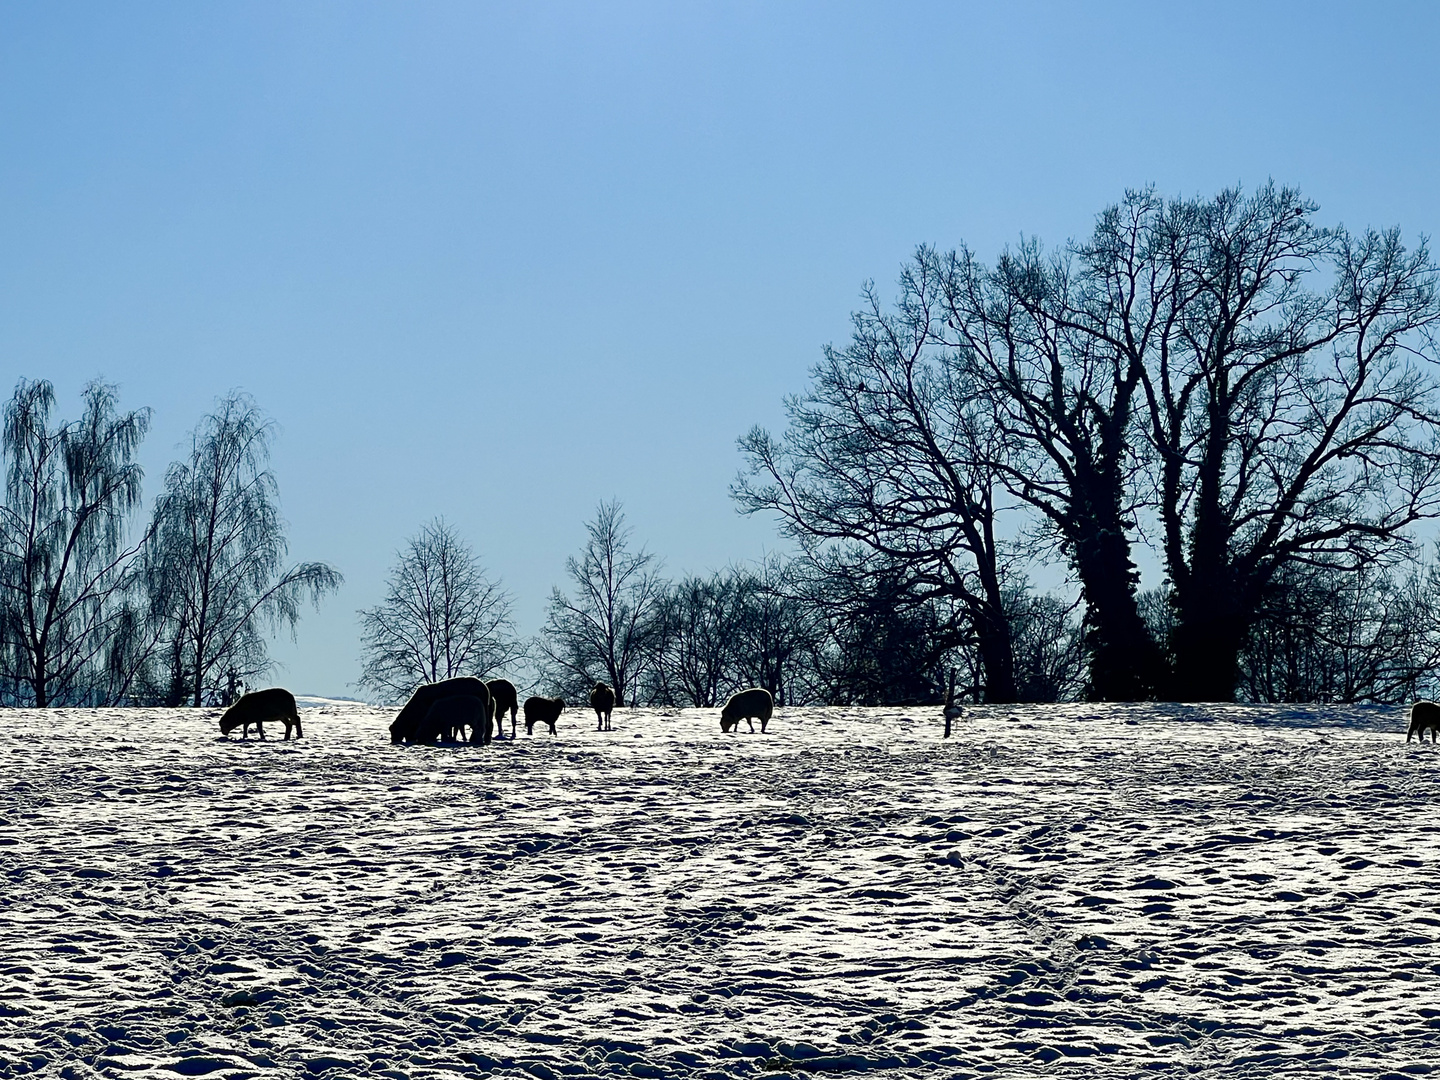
pixel 441 618
pixel 217 565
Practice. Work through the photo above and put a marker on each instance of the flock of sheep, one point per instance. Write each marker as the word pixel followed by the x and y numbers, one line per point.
pixel 463 710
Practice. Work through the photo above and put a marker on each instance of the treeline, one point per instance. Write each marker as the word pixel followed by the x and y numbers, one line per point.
pixel 844 630
pixel 1248 395
pixel 99 606
pixel 1244 395
pixel 833 633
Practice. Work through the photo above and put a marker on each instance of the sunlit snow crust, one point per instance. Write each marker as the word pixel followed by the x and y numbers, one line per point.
pixel 1221 891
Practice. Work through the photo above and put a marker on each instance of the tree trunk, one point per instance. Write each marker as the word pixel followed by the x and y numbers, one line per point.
pixel 997 655
pixel 1125 662
pixel 1212 616
pixel 1209 635
pixel 39 683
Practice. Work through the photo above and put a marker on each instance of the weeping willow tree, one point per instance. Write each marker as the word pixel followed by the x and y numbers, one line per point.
pixel 70 489
pixel 217 566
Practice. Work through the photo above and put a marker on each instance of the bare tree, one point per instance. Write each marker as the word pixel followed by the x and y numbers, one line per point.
pixel 892 449
pixel 882 644
pixel 779 632
pixel 1344 634
pixel 217 568
pixel 697 650
pixel 441 617
pixel 1177 362
pixel 1291 425
pixel 1058 345
pixel 607 630
pixel 1049 645
pixel 69 491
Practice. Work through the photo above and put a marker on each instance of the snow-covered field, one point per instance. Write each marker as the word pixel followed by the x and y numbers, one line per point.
pixel 1099 891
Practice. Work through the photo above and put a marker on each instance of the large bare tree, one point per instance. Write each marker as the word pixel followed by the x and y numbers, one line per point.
pixel 1292 408
pixel 892 449
pixel 441 617
pixel 1058 345
pixel 1180 363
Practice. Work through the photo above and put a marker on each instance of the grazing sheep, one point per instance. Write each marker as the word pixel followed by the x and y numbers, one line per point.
pixel 1424 714
pixel 755 702
pixel 410 725
pixel 602 700
pixel 450 716
pixel 257 707
pixel 542 710
pixel 502 697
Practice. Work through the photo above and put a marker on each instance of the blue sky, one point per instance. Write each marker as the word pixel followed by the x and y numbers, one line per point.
pixel 500 262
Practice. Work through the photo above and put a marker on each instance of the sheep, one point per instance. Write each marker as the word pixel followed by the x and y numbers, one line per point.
pixel 410 726
pixel 755 702
pixel 448 717
pixel 257 707
pixel 602 700
pixel 502 697
pixel 542 710
pixel 1424 714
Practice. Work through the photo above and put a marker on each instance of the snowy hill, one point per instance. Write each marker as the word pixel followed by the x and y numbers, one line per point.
pixel 1226 891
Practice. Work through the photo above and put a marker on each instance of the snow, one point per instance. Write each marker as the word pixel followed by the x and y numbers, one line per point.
pixel 1102 891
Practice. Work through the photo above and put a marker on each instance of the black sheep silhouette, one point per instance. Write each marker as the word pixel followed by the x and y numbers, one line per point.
pixel 755 702
pixel 542 710
pixel 503 697
pixel 451 716
pixel 275 704
pixel 602 700
pixel 1423 715
pixel 415 724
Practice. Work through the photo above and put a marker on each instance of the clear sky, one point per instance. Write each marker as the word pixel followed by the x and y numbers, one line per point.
pixel 500 262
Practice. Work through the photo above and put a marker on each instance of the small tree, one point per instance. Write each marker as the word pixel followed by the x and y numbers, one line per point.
pixel 69 491
pixel 885 643
pixel 703 625
pixel 1330 633
pixel 441 617
pixel 216 569
pixel 1049 645
pixel 607 629
pixel 779 633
